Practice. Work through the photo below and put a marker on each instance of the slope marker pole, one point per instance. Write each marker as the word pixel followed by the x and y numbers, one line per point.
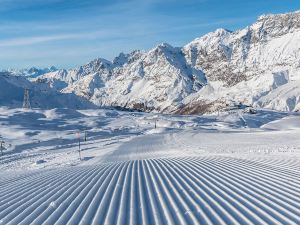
pixel 1 147
pixel 79 149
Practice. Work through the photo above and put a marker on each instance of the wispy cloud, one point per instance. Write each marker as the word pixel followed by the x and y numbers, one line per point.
pixel 67 32
pixel 105 33
pixel 33 40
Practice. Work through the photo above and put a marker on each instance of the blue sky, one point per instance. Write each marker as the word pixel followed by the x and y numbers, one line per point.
pixel 68 33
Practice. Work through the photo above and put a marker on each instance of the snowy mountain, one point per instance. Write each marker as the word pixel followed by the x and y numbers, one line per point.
pixel 32 72
pixel 156 80
pixel 12 94
pixel 258 66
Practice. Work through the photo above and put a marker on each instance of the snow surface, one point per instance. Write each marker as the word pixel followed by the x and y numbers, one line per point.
pixel 231 168
pixel 233 165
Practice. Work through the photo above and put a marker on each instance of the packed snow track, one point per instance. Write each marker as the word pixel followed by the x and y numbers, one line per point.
pixel 187 190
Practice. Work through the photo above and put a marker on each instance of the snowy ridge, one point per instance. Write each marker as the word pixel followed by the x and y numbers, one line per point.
pixel 246 65
pixel 157 80
pixel 203 190
pixel 203 76
pixel 12 94
pixel 219 69
pixel 32 72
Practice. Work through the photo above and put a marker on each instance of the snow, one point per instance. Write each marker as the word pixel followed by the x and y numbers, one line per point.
pixel 51 135
pixel 235 164
pixel 231 168
pixel 32 72
pixel 247 66
pixel 41 96
pixel 257 65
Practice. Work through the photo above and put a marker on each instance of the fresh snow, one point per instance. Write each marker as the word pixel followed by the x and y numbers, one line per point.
pixel 231 168
pixel 236 162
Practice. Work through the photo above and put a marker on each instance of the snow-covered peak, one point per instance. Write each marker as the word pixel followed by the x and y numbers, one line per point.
pixel 278 16
pixel 219 67
pixel 162 49
pixel 94 66
pixel 274 25
pixel 123 58
pixel 59 75
pixel 97 63
pixel 210 39
pixel 164 45
pixel 32 72
pixel 62 78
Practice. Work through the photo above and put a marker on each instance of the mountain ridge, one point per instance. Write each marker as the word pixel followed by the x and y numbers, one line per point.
pixel 223 67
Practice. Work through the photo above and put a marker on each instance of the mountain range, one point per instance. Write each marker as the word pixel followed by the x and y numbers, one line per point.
pixel 32 72
pixel 257 66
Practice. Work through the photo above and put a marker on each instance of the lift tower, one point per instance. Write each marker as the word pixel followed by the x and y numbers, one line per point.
pixel 26 101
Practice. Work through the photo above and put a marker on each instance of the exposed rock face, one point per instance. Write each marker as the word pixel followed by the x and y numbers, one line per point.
pixel 270 44
pixel 157 80
pixel 249 66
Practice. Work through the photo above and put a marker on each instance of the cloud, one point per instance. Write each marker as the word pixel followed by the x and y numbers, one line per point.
pixel 6 5
pixel 34 40
pixel 104 33
pixel 58 5
pixel 69 31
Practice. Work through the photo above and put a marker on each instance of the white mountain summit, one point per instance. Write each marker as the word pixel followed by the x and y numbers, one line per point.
pixel 258 65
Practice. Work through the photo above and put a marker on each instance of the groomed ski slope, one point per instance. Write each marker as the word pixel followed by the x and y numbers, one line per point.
pixel 232 168
pixel 188 190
